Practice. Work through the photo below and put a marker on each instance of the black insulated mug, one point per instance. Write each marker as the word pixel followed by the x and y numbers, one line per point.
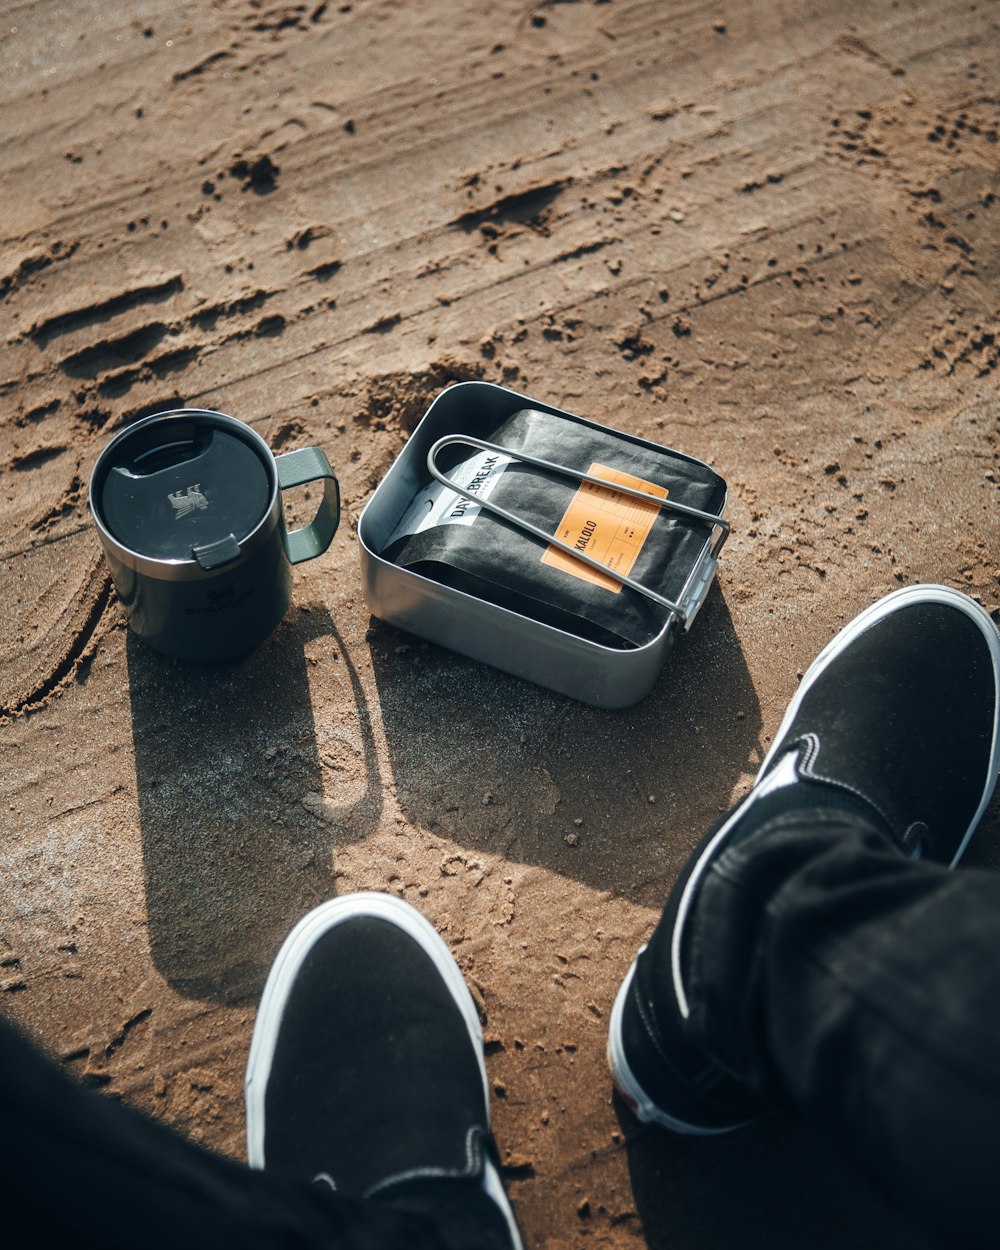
pixel 188 507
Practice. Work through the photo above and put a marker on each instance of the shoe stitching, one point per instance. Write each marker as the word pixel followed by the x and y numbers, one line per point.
pixel 807 769
pixel 473 1166
pixel 648 1020
pixel 917 839
pixel 708 1075
pixel 809 753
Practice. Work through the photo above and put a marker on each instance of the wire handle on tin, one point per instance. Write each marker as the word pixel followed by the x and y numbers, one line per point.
pixel 520 523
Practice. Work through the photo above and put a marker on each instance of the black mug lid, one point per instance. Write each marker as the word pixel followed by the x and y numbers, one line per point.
pixel 185 488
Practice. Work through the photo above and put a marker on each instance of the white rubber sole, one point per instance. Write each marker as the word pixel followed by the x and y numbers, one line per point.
pixel 282 976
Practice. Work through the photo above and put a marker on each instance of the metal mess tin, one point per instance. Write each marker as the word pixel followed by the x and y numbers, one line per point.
pixel 603 676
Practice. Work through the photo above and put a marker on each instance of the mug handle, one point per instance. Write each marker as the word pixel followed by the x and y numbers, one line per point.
pixel 295 468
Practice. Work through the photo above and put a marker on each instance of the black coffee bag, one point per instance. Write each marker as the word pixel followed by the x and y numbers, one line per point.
pixel 457 542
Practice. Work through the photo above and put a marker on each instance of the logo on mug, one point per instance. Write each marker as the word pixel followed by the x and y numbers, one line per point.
pixel 190 502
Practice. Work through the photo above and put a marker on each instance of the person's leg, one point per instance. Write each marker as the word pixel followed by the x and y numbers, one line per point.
pixel 367 1117
pixel 78 1168
pixel 805 960
pixel 366 1072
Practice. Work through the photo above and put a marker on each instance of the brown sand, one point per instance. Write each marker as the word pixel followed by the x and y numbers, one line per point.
pixel 765 234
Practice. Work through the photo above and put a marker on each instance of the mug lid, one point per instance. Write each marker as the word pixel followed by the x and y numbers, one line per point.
pixel 184 488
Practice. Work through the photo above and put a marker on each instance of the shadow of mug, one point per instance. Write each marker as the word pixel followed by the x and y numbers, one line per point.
pixel 243 798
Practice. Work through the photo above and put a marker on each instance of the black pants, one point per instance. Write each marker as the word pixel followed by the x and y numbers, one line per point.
pixel 837 977
pixel 80 1169
pixel 862 990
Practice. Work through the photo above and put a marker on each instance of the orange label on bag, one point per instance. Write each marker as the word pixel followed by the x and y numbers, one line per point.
pixel 606 525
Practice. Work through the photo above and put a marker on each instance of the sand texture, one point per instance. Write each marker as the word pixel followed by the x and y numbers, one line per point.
pixel 765 234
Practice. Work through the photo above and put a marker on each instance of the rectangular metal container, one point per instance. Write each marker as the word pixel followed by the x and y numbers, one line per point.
pixel 603 676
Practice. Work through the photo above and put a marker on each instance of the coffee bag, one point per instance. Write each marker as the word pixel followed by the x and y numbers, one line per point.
pixel 459 543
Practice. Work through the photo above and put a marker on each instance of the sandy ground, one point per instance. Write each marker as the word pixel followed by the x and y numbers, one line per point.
pixel 763 233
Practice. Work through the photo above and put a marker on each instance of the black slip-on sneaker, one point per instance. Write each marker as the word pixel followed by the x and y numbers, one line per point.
pixel 366 1068
pixel 900 710
pixel 897 720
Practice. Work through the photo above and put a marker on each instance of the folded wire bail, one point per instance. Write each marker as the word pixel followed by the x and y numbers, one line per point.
pixel 709 518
